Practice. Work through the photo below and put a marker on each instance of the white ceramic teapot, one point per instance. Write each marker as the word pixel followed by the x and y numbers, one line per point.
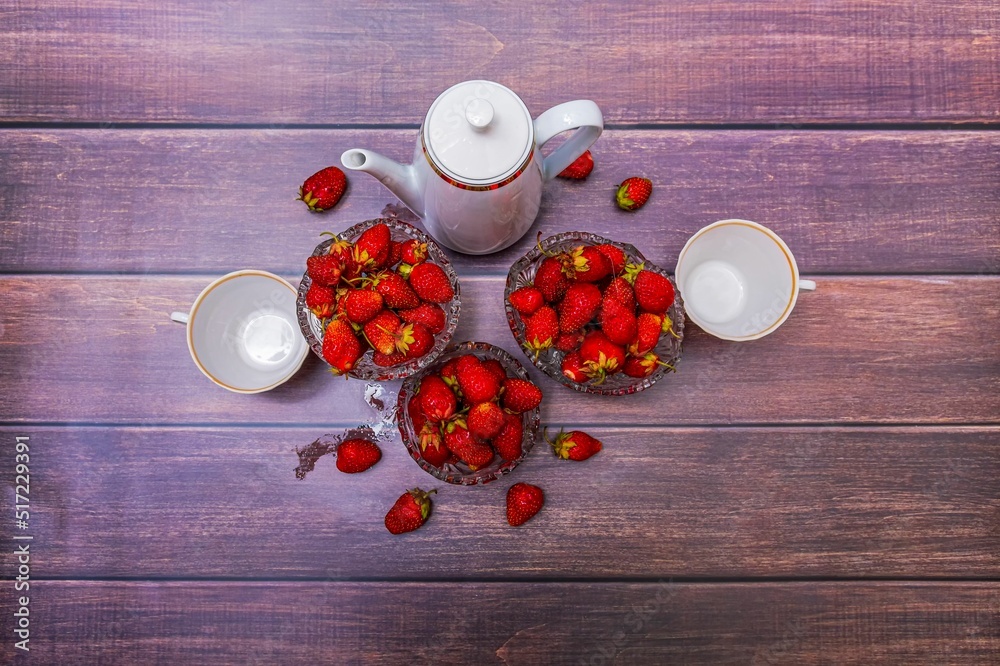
pixel 477 173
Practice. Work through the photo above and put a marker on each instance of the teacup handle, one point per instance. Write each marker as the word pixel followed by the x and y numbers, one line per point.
pixel 807 285
pixel 179 317
pixel 581 115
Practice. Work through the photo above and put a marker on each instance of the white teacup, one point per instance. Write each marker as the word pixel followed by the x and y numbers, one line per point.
pixel 243 333
pixel 738 279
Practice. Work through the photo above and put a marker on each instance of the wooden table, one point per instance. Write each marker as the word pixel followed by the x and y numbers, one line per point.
pixel 828 494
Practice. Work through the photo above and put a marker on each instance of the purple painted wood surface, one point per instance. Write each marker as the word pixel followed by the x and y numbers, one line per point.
pixel 858 350
pixel 859 442
pixel 215 201
pixel 563 624
pixel 656 502
pixel 272 62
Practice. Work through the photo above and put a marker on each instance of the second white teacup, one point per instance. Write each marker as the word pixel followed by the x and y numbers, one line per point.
pixel 738 279
pixel 242 331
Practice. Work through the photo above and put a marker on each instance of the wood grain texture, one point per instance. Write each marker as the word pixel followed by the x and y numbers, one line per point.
pixel 215 201
pixel 655 503
pixel 858 350
pixel 514 624
pixel 690 62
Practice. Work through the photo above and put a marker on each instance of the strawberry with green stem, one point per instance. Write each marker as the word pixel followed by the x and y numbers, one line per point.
pixel 573 445
pixel 322 190
pixel 409 512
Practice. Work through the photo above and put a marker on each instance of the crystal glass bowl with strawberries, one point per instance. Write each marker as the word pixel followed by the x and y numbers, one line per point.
pixel 595 314
pixel 471 416
pixel 379 301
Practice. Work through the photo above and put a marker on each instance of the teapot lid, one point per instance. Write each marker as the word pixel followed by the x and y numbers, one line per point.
pixel 478 133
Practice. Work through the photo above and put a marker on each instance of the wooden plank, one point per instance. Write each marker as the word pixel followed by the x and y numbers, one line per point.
pixel 512 623
pixel 858 350
pixel 688 62
pixel 215 201
pixel 656 502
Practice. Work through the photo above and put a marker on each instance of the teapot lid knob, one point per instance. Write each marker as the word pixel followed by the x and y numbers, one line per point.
pixel 479 113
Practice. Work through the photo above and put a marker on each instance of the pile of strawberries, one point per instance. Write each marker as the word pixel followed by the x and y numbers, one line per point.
pixel 379 293
pixel 605 314
pixel 469 411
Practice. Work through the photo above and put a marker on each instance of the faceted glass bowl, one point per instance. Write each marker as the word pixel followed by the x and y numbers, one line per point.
pixel 365 368
pixel 549 361
pixel 459 473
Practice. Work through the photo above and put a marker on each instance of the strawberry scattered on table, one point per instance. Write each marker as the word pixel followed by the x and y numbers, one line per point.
pixel 357 455
pixel 580 168
pixel 409 512
pixel 322 190
pixel 523 502
pixel 633 193
pixel 574 445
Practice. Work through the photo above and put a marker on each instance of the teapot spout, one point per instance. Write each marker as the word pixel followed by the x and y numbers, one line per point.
pixel 400 179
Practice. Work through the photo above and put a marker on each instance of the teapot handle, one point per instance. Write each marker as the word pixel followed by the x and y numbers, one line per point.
pixel 581 115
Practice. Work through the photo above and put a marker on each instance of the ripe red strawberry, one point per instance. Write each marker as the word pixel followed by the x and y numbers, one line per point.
pixel 388 360
pixel 523 502
pixel 574 369
pixel 618 323
pixel 431 442
pixel 643 366
pixel 527 300
pixel 409 512
pixel 615 255
pixel 520 395
pixel 463 444
pixel 580 168
pixel 343 252
pixel 550 279
pixel 569 340
pixel 602 356
pixel 478 384
pixel 653 292
pixel 414 340
pixel 449 373
pixel 437 400
pixel 381 332
pixel 485 420
pixel 578 306
pixel 397 292
pixel 321 301
pixel 362 305
pixel 648 329
pixel 341 348
pixel 324 269
pixel 357 455
pixel 431 283
pixel 428 314
pixel 541 330
pixel 395 253
pixel 633 193
pixel 620 290
pixel 508 442
pixel 413 252
pixel 574 445
pixel 496 368
pixel 322 190
pixel 588 264
pixel 371 250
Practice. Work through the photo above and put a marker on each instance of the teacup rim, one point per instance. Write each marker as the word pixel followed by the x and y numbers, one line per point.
pixel 789 257
pixel 214 284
